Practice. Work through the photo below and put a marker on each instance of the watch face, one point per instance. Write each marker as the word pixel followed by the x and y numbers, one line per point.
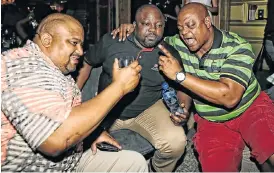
pixel 180 76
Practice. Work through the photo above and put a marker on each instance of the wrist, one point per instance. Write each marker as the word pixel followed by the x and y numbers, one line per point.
pixel 119 88
pixel 180 76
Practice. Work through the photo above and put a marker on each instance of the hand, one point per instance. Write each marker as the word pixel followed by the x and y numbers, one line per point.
pixel 124 31
pixel 179 119
pixel 5 2
pixel 104 137
pixel 128 77
pixel 168 64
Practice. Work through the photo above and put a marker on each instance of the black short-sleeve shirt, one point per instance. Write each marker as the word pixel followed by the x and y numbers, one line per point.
pixel 148 91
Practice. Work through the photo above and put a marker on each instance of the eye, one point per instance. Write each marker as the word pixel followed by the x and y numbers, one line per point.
pixel 147 24
pixel 159 25
pixel 179 28
pixel 191 25
pixel 74 43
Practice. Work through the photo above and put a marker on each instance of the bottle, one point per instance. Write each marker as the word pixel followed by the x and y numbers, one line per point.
pixel 170 99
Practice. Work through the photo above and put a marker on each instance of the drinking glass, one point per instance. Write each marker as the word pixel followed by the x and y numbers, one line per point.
pixel 125 61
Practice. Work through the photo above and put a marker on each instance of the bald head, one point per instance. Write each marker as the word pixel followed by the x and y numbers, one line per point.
pixel 51 23
pixel 60 37
pixel 195 28
pixel 147 8
pixel 195 9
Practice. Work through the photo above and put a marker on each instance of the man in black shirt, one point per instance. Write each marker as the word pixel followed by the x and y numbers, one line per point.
pixel 142 110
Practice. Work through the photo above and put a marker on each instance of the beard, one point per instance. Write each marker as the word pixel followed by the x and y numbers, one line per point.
pixel 148 41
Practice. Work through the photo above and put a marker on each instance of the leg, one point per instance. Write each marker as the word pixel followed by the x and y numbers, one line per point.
pixel 257 129
pixel 219 148
pixel 155 125
pixel 102 161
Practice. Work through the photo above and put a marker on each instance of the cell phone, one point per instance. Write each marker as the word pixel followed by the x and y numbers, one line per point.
pixel 104 146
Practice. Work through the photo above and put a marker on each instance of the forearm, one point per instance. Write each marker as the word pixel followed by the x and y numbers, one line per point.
pixel 213 91
pixel 82 121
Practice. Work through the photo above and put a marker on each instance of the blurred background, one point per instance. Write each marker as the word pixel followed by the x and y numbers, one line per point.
pixel 20 18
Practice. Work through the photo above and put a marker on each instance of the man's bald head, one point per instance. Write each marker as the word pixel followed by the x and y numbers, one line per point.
pixel 52 22
pixel 195 28
pixel 195 9
pixel 147 8
pixel 60 37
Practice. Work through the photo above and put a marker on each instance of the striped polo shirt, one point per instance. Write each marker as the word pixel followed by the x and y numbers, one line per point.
pixel 36 99
pixel 231 57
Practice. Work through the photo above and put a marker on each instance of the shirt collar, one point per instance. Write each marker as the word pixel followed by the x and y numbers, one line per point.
pixel 37 51
pixel 218 38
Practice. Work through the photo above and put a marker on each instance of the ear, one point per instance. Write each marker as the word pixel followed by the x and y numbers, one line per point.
pixel 208 21
pixel 46 39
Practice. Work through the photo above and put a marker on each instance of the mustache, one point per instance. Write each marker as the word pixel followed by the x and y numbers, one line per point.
pixel 75 54
pixel 151 34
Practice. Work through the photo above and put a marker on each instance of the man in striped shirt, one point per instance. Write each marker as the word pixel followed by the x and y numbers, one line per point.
pixel 231 108
pixel 43 121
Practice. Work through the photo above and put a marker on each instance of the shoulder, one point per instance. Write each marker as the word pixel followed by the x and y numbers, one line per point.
pixel 107 39
pixel 234 39
pixel 172 50
pixel 169 47
pixel 235 44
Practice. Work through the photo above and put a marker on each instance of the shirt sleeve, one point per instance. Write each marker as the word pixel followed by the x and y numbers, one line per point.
pixel 96 53
pixel 238 65
pixel 35 106
pixel 173 52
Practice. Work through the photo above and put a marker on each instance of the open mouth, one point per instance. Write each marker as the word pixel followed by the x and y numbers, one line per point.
pixel 189 41
pixel 75 59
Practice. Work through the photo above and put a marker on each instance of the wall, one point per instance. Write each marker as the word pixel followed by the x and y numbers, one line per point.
pixel 240 22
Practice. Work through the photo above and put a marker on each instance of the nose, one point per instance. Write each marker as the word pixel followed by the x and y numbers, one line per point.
pixel 152 28
pixel 184 31
pixel 80 50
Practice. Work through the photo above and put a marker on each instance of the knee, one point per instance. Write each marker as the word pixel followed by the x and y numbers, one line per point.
pixel 138 162
pixel 174 146
pixel 271 160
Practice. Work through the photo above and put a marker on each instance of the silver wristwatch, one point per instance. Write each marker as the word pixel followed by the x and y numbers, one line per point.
pixel 180 77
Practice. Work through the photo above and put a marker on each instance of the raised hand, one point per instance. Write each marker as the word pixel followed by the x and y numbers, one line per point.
pixel 168 64
pixel 124 31
pixel 128 77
